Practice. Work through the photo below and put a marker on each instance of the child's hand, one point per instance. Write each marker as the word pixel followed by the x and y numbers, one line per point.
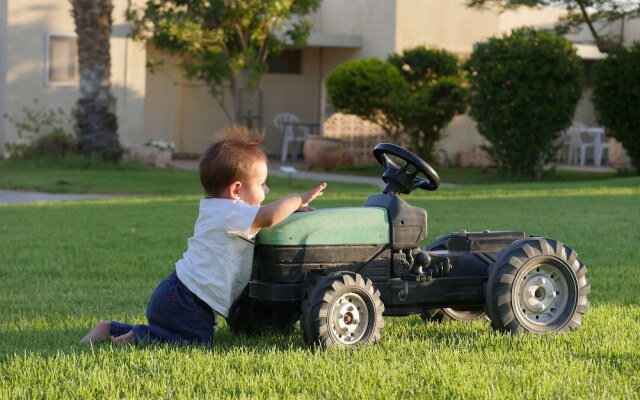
pixel 277 211
pixel 311 195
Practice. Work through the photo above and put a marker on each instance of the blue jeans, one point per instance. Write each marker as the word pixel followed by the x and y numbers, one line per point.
pixel 175 314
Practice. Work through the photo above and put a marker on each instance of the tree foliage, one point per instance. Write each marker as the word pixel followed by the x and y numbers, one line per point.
pixel 413 95
pixel 578 12
pixel 616 96
pixel 435 95
pixel 224 43
pixel 524 88
pixel 371 89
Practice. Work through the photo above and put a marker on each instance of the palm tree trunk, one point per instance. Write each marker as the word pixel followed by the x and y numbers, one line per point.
pixel 96 121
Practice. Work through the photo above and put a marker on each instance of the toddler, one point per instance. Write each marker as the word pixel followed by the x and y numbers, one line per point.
pixel 216 266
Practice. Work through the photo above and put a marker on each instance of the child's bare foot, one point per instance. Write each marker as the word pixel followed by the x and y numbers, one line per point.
pixel 98 333
pixel 123 339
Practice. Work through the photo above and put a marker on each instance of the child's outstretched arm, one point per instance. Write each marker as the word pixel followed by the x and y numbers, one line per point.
pixel 275 212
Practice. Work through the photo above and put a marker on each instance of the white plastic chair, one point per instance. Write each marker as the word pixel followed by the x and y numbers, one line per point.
pixel 598 153
pixel 579 143
pixel 281 121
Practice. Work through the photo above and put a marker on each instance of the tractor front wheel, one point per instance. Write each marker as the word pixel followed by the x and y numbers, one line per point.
pixel 343 310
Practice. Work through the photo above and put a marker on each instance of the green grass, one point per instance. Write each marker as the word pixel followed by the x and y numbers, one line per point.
pixel 472 176
pixel 65 265
pixel 76 176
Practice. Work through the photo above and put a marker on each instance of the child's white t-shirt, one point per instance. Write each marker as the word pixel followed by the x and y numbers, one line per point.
pixel 217 264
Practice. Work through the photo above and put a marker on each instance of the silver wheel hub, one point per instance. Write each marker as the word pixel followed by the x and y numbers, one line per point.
pixel 349 318
pixel 542 295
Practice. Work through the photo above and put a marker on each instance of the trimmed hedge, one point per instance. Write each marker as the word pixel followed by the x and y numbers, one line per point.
pixel 616 97
pixel 524 90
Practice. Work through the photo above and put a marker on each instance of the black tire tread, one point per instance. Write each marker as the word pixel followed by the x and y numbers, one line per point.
pixel 503 272
pixel 315 308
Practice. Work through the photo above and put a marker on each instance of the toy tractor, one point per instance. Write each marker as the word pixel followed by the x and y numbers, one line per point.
pixel 340 270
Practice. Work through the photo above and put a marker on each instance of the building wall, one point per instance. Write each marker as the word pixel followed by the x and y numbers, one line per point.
pixel 374 20
pixel 631 31
pixel 3 72
pixel 185 112
pixel 165 106
pixel 24 29
pixel 442 24
pixel 162 107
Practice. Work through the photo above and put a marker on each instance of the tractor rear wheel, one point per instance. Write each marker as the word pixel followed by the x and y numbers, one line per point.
pixel 537 285
pixel 251 318
pixel 343 310
pixel 450 314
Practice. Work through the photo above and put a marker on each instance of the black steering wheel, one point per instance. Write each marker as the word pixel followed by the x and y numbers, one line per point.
pixel 404 179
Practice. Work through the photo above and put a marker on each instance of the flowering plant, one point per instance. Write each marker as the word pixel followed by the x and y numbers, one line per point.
pixel 160 144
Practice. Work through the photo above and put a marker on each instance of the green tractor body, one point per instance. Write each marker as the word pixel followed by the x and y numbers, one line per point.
pixel 339 271
pixel 330 227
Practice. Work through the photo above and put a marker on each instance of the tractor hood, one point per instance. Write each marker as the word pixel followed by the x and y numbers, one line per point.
pixel 331 226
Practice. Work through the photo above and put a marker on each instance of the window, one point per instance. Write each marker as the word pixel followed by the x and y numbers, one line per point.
pixel 287 62
pixel 61 62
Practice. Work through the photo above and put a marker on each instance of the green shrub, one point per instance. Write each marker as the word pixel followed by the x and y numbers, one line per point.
pixel 420 65
pixel 616 97
pixel 369 88
pixel 435 95
pixel 43 132
pixel 57 143
pixel 413 95
pixel 524 89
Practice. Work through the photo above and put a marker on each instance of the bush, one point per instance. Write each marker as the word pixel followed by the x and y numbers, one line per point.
pixel 616 96
pixel 415 93
pixel 369 88
pixel 57 144
pixel 435 95
pixel 524 89
pixel 43 133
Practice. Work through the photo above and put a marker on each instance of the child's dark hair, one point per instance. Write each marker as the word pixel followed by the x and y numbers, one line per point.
pixel 230 158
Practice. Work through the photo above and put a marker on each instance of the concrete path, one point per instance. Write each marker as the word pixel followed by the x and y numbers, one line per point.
pixel 277 168
pixel 12 196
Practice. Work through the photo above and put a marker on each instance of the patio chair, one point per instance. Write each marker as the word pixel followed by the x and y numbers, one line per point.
pixel 602 144
pixel 286 122
pixel 579 143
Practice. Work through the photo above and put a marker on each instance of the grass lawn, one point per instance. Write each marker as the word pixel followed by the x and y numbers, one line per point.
pixel 472 176
pixel 65 265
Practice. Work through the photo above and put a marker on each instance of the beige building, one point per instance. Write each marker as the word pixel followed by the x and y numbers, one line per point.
pixel 37 61
pixel 37 56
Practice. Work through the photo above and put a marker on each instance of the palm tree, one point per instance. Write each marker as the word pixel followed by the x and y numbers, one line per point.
pixel 96 121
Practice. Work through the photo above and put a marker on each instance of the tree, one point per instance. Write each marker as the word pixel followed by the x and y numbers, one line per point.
pixel 412 96
pixel 371 89
pixel 224 43
pixel 435 95
pixel 524 88
pixel 96 121
pixel 616 94
pixel 578 12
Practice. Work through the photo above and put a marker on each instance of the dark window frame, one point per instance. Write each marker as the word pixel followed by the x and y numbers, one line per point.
pixel 289 61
